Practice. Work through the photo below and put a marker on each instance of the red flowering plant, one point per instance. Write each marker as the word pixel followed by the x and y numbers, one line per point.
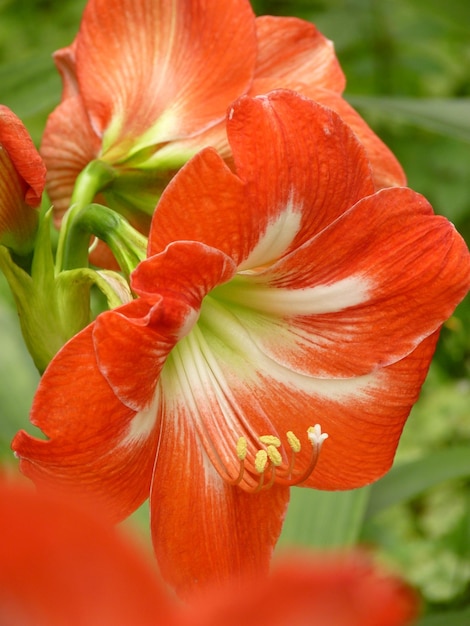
pixel 277 305
pixel 281 302
pixel 70 567
pixel 146 85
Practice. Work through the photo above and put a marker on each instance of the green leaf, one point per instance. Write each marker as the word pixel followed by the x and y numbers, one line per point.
pixel 452 618
pixel 447 116
pixel 324 519
pixel 407 481
pixel 18 380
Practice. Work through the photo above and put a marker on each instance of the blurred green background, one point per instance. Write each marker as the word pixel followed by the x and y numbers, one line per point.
pixel 407 65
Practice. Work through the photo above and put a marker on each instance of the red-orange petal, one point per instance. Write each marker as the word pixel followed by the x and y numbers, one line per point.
pixel 16 141
pixel 180 63
pixel 311 180
pixel 363 418
pixel 293 54
pixel 64 564
pixel 386 169
pixel 65 60
pixel 361 294
pixel 283 193
pixel 205 530
pixel 215 211
pixel 185 269
pixel 97 447
pixel 68 145
pixel 293 50
pixel 324 589
pixel 174 284
pixel 18 221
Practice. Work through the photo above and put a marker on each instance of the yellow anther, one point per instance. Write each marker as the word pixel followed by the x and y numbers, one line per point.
pixel 293 441
pixel 274 455
pixel 271 464
pixel 261 460
pixel 241 448
pixel 270 440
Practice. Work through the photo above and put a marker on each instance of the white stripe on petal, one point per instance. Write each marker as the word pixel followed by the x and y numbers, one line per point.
pixel 235 344
pixel 337 296
pixel 342 390
pixel 276 239
pixel 143 423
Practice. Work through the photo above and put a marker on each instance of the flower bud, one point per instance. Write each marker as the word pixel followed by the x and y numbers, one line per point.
pixel 22 180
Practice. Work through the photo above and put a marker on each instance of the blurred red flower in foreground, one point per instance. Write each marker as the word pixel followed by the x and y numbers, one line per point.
pixel 22 180
pixel 276 302
pixel 310 590
pixel 61 565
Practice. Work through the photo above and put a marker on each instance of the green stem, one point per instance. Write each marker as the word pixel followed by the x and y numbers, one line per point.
pixel 127 244
pixel 72 248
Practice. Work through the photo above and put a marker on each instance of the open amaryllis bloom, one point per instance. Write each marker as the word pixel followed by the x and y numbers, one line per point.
pixel 140 74
pixel 279 303
pixel 147 84
pixel 22 181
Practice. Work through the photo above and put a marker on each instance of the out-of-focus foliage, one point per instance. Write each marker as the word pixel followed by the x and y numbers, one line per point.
pixel 33 27
pixel 30 31
pixel 408 71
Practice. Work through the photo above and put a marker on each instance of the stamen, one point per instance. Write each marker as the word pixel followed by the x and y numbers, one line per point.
pixel 272 459
pixel 270 440
pixel 261 460
pixel 316 438
pixel 241 449
pixel 274 456
pixel 293 441
pixel 276 460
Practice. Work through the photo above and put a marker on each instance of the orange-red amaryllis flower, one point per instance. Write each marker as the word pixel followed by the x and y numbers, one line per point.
pixel 62 564
pixel 279 303
pixel 22 181
pixel 147 84
pixel 140 74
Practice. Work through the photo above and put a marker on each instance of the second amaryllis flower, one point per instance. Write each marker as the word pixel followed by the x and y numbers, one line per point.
pixel 279 303
pixel 147 84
